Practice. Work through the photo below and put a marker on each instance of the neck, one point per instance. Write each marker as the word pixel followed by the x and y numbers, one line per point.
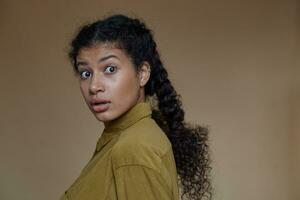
pixel 141 98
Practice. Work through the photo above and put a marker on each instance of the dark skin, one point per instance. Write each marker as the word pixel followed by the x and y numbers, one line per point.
pixel 107 73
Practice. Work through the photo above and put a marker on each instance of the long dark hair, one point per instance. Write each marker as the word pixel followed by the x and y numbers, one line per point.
pixel 189 143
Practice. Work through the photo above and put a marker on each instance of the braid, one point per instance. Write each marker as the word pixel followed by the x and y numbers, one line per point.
pixel 189 144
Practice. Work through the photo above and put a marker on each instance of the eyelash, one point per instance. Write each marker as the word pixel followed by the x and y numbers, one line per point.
pixel 81 74
pixel 107 67
pixel 111 66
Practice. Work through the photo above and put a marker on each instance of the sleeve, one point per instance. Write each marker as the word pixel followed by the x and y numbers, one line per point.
pixel 135 182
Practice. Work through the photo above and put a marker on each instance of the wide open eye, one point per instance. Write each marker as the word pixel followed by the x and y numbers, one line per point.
pixel 110 69
pixel 84 74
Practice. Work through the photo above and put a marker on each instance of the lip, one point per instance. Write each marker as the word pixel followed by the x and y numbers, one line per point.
pixel 99 105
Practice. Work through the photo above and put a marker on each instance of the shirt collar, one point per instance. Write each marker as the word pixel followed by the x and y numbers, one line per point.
pixel 136 113
pixel 113 128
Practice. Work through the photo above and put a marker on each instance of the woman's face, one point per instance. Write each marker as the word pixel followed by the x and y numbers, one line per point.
pixel 108 81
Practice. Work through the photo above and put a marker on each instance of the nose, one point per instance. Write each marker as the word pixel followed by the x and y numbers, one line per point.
pixel 96 84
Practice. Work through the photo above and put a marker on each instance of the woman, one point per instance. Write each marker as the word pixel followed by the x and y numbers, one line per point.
pixel 146 150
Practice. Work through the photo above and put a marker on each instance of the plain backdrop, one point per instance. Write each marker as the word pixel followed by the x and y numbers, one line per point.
pixel 235 64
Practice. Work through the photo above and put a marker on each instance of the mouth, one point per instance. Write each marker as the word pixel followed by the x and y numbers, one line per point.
pixel 100 106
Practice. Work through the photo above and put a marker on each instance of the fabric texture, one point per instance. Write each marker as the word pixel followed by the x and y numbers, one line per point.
pixel 133 160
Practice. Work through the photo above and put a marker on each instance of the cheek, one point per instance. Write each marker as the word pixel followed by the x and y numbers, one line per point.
pixel 126 87
pixel 84 89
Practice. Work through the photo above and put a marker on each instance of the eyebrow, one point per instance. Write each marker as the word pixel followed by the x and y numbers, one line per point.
pixel 99 61
pixel 108 57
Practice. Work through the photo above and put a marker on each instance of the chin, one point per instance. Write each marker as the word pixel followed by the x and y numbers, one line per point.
pixel 102 117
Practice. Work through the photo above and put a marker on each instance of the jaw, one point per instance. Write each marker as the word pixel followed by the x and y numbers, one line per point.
pixel 141 94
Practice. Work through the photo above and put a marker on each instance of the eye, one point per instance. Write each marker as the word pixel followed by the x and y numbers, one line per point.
pixel 84 74
pixel 110 69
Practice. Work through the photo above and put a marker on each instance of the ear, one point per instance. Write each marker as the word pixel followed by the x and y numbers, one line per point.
pixel 144 73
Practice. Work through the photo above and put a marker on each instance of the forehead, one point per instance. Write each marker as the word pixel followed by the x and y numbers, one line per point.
pixel 101 50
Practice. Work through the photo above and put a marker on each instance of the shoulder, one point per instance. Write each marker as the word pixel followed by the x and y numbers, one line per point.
pixel 144 143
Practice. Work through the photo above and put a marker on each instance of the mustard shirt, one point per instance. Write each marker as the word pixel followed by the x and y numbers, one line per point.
pixel 133 160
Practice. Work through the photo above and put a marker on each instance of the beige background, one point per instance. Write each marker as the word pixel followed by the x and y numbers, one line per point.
pixel 235 64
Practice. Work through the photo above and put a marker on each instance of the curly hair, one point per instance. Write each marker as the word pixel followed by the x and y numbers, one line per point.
pixel 189 142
